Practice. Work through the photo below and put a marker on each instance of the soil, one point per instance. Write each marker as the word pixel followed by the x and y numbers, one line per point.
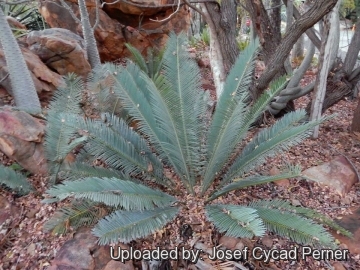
pixel 30 247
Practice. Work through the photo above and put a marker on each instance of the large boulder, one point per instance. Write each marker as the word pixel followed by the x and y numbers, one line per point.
pixel 116 27
pixel 21 137
pixel 45 80
pixel 339 174
pixel 60 49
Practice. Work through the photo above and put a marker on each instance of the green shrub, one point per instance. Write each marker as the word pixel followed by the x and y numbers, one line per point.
pixel 174 130
pixel 205 36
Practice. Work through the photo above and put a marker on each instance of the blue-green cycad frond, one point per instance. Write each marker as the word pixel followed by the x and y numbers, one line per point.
pixel 186 101
pixel 235 220
pixel 119 146
pixel 112 192
pixel 124 226
pixel 283 220
pixel 312 214
pixel 60 139
pixel 151 65
pixel 291 172
pixel 74 216
pixel 228 119
pixel 118 126
pixel 146 106
pixel 77 170
pixel 14 180
pixel 285 133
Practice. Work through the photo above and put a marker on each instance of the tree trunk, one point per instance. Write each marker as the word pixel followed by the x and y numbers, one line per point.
pixel 89 38
pixel 304 22
pixel 330 45
pixel 22 85
pixel 221 19
pixel 266 27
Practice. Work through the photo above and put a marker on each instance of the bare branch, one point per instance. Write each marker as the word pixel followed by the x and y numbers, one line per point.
pixel 309 32
pixel 112 3
pixel 170 16
pixel 194 8
pixel 269 8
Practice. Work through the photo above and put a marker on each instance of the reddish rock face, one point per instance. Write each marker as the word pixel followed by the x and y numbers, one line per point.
pixel 338 173
pixel 61 50
pixel 44 79
pixel 121 23
pixel 21 139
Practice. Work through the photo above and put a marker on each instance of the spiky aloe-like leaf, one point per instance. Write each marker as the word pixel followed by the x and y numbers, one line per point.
pixel 282 220
pixel 14 180
pixel 235 220
pixel 112 192
pixel 76 215
pixel 125 226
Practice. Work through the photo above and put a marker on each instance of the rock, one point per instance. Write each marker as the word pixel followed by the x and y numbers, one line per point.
pixel 44 79
pixel 351 223
pixel 76 253
pixel 116 265
pixel 101 257
pixel 295 202
pixel 21 139
pixel 61 50
pixel 140 7
pixel 116 27
pixel 228 242
pixel 82 252
pixel 282 182
pixel 14 23
pixel 338 173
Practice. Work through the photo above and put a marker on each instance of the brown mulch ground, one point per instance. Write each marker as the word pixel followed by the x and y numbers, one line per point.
pixel 30 247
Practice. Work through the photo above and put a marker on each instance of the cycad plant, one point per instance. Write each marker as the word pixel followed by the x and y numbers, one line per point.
pixel 176 133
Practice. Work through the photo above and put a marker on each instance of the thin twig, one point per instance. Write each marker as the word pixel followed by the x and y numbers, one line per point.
pixel 273 7
pixel 195 8
pixel 3 79
pixel 170 16
pixel 106 3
